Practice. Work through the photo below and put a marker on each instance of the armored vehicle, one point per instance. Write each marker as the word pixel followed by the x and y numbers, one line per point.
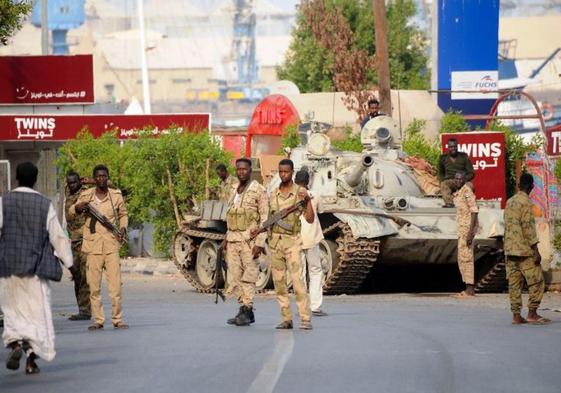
pixel 374 212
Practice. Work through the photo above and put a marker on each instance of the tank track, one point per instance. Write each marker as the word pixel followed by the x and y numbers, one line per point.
pixel 185 265
pixel 495 279
pixel 356 258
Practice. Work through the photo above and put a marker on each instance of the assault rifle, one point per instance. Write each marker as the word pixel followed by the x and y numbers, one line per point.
pixel 277 218
pixel 98 217
pixel 220 264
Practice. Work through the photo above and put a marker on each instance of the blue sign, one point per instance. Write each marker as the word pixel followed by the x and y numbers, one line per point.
pixel 467 40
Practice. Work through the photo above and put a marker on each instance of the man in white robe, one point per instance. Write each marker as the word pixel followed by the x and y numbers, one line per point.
pixel 31 243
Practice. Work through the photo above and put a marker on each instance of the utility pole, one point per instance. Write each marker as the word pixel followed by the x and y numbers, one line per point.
pixel 143 59
pixel 44 27
pixel 382 55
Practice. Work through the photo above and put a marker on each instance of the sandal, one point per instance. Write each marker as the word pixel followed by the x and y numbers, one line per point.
pixel 539 321
pixel 79 317
pixel 12 362
pixel 31 366
pixel 120 325
pixel 95 326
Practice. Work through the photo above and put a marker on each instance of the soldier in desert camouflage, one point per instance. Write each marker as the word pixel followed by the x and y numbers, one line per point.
pixel 466 218
pixel 74 227
pixel 248 208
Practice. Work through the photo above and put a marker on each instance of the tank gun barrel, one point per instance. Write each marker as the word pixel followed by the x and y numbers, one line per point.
pixel 355 175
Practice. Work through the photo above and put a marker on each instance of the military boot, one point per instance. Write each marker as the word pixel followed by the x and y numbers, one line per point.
pixel 251 315
pixel 244 318
pixel 232 321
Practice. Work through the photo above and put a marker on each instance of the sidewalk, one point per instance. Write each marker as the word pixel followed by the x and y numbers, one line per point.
pixel 149 266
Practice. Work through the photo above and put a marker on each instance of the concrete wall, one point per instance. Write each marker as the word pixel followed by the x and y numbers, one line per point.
pixel 407 105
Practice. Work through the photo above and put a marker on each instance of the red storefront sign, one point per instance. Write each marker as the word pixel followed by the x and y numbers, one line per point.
pixel 270 117
pixel 63 127
pixel 488 156
pixel 29 80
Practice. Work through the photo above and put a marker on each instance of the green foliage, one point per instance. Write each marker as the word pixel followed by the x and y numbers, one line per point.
pixel 516 151
pixel 310 66
pixel 290 138
pixel 452 122
pixel 141 166
pixel 350 143
pixel 12 14
pixel 416 144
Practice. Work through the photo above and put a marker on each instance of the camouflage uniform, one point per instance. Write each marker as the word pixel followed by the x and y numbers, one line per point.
pixel 464 199
pixel 520 236
pixel 75 229
pixel 227 187
pixel 286 249
pixel 246 211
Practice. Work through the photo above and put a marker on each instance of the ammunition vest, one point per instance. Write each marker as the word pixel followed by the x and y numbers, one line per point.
pixel 243 216
pixel 293 219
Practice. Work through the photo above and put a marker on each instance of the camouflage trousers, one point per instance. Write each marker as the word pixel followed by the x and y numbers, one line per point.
pixel 465 260
pixel 447 188
pixel 81 287
pixel 286 257
pixel 518 270
pixel 243 271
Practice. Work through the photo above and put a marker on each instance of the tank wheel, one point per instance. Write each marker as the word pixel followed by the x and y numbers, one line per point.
pixel 206 264
pixel 265 278
pixel 182 249
pixel 329 258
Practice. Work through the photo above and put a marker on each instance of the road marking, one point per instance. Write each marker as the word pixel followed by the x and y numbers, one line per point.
pixel 271 371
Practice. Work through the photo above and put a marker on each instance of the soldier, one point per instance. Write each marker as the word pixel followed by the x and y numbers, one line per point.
pixel 466 217
pixel 523 260
pixel 449 163
pixel 248 208
pixel 286 246
pixel 75 230
pixel 102 246
pixel 227 183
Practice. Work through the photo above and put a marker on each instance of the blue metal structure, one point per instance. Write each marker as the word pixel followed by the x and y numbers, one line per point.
pixel 468 39
pixel 243 45
pixel 64 15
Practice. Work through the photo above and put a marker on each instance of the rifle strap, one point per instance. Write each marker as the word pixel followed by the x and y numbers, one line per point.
pixel 117 223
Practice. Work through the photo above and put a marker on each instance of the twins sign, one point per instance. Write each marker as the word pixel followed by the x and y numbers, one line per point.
pixel 486 150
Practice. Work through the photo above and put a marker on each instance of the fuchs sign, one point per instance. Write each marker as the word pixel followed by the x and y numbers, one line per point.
pixel 40 80
pixel 487 153
pixel 60 128
pixel 480 82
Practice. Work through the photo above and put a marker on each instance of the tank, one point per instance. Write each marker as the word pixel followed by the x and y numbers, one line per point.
pixel 374 212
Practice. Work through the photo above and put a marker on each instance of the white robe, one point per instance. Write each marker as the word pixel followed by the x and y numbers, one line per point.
pixel 26 301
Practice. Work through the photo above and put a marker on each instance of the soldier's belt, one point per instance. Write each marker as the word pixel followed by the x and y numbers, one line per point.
pixel 518 258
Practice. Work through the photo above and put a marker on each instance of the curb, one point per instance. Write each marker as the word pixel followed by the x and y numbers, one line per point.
pixel 148 266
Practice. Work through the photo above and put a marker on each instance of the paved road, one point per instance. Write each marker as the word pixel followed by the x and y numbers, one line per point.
pixel 179 342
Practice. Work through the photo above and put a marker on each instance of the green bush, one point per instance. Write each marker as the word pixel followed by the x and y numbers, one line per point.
pixel 290 138
pixel 350 143
pixel 452 122
pixel 141 166
pixel 416 144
